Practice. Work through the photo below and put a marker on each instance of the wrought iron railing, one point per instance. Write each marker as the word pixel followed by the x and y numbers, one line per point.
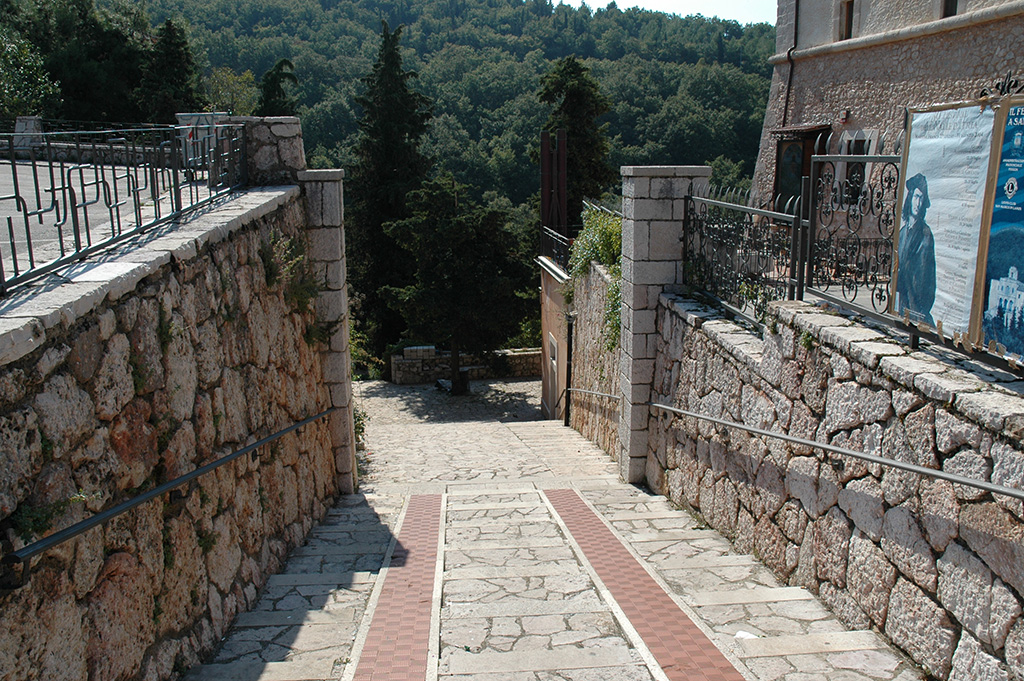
pixel 64 196
pixel 740 255
pixel 556 246
pixel 854 219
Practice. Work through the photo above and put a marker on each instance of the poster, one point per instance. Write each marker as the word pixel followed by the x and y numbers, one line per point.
pixel 946 166
pixel 1003 319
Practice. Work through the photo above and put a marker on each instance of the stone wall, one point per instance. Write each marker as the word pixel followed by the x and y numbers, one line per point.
pixel 424 364
pixel 129 370
pixel 594 366
pixel 937 567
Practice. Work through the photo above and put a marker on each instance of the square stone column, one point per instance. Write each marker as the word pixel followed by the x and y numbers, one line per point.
pixel 325 239
pixel 653 199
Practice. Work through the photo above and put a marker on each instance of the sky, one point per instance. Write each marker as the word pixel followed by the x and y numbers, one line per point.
pixel 743 11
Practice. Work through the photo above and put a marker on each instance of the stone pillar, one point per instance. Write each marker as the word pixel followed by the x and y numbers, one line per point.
pixel 325 238
pixel 652 249
pixel 274 150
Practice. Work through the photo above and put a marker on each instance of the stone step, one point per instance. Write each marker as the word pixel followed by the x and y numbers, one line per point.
pixel 757 595
pixel 808 644
pixel 304 670
pixel 322 578
pixel 568 657
pixel 543 570
pixel 287 618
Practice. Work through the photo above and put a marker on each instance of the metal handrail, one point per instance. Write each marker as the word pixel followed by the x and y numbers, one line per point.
pixel 25 554
pixel 871 458
pixel 591 392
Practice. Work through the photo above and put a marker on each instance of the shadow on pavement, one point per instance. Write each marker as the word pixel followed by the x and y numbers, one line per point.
pixel 489 400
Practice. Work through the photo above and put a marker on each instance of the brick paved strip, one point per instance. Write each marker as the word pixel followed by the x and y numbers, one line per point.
pixel 682 650
pixel 397 646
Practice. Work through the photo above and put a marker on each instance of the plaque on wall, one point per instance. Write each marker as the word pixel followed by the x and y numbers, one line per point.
pixel 1002 320
pixel 943 217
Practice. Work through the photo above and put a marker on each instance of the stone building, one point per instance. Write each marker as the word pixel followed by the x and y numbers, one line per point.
pixel 851 68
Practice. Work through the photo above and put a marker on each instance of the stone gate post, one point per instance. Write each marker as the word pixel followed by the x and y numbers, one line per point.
pixel 325 237
pixel 652 227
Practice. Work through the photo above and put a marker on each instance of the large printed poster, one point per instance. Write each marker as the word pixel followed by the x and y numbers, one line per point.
pixel 946 167
pixel 1003 319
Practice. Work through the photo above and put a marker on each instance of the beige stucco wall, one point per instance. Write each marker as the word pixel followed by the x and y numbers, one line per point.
pixel 876 82
pixel 820 19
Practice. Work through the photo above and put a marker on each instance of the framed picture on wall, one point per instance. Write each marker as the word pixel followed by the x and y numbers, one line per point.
pixel 1002 320
pixel 947 159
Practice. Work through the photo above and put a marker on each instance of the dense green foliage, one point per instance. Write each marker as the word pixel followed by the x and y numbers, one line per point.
pixel 578 104
pixel 465 269
pixel 389 166
pixel 600 241
pixel 274 98
pixel 682 90
pixel 109 63
pixel 170 78
pixel 25 88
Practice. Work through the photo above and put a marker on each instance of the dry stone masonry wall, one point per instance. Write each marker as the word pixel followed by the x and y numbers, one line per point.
pixel 594 366
pixel 159 358
pixel 937 567
pixel 424 364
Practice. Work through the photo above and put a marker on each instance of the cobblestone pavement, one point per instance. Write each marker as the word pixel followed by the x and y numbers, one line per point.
pixel 488 545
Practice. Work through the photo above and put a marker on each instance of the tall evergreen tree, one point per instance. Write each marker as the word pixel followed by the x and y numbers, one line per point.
pixel 578 104
pixel 463 294
pixel 388 167
pixel 274 98
pixel 170 82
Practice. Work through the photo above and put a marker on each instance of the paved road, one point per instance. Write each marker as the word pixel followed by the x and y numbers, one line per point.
pixel 488 545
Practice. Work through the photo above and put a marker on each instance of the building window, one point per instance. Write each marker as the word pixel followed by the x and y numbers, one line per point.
pixel 949 8
pixel 846 19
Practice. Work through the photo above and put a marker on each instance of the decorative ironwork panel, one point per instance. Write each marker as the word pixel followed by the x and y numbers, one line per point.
pixel 854 221
pixel 556 246
pixel 64 196
pixel 740 255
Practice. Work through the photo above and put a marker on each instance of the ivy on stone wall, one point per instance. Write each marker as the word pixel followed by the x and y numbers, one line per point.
pixel 600 241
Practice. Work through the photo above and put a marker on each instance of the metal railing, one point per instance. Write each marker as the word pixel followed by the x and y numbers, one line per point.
pixel 556 246
pixel 25 554
pixel 64 196
pixel 744 257
pixel 870 458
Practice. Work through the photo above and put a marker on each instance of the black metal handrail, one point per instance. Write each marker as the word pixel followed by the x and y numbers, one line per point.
pixel 870 458
pixel 592 392
pixel 25 554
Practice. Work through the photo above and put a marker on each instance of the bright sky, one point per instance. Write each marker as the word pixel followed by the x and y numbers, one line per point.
pixel 743 11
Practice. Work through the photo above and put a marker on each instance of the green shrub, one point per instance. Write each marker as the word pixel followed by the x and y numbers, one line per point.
pixel 600 241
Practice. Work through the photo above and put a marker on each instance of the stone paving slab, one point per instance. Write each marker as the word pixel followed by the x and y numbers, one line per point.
pixel 516 588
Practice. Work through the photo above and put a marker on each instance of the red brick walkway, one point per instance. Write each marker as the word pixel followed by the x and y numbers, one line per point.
pixel 397 645
pixel 684 652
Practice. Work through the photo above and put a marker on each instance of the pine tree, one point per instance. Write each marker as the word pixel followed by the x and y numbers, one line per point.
pixel 463 294
pixel 170 82
pixel 388 167
pixel 578 104
pixel 274 99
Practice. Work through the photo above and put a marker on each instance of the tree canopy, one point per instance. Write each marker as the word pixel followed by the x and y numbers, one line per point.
pixel 578 104
pixel 463 294
pixel 274 99
pixel 389 166
pixel 170 81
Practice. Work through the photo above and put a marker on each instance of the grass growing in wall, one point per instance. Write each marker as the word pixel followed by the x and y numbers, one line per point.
pixel 600 241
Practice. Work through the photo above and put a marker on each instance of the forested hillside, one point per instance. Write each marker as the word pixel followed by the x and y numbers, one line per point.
pixel 683 90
